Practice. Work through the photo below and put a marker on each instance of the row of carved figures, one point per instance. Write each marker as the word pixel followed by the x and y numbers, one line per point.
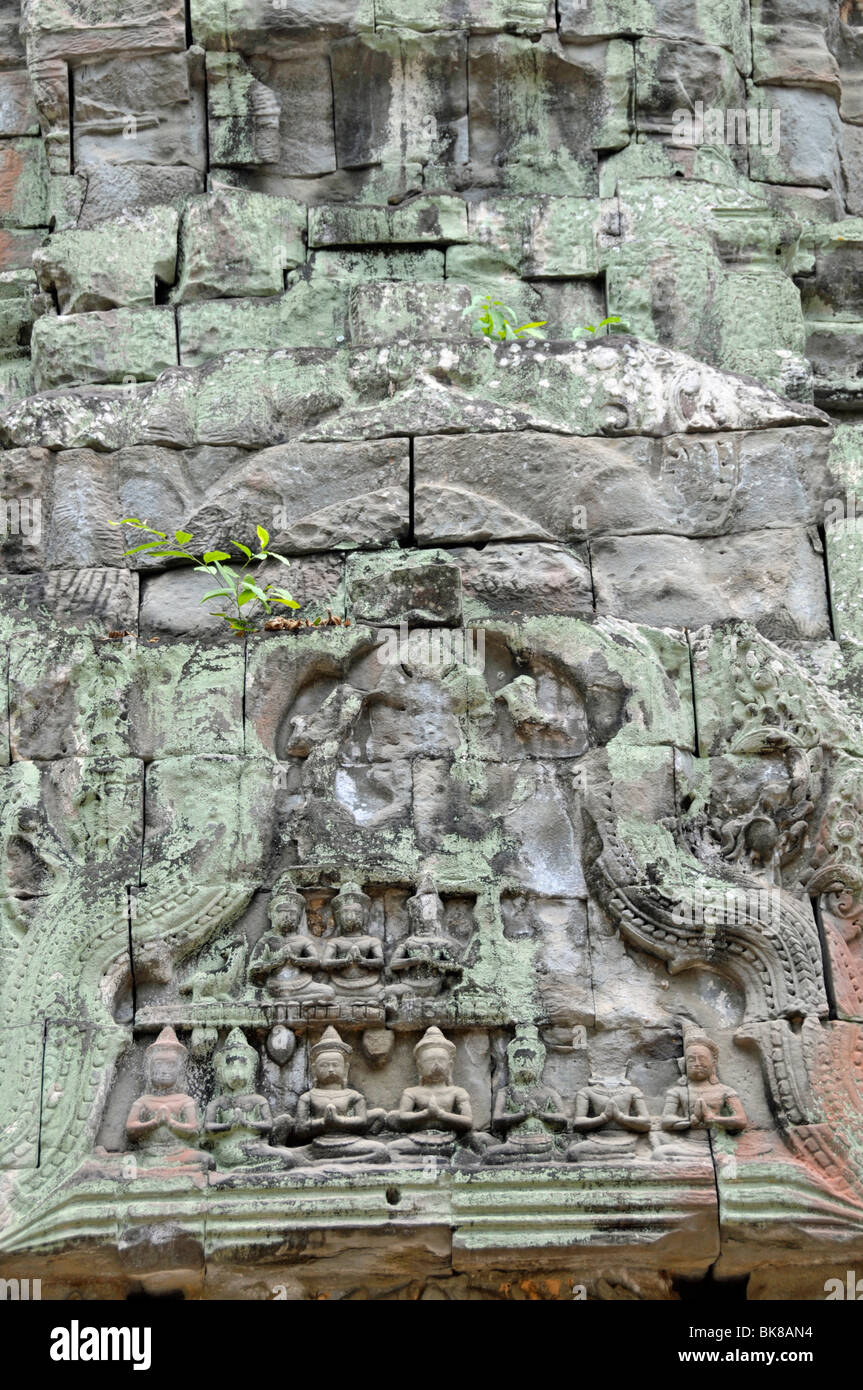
pixel 434 1119
pixel 288 964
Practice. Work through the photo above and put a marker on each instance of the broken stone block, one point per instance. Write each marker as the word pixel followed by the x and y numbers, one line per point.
pixel 418 221
pixel 384 310
pixel 242 114
pixel 423 79
pixel 23 183
pixel 140 110
pixel 109 346
pixel 113 265
pixel 773 579
pixel 540 111
pixel 234 243
pixel 419 588
pixel 513 581
pixel 51 92
pixel 298 89
pixel 851 159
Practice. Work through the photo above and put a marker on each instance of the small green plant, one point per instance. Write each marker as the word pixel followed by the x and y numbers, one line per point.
pixel 250 599
pixel 595 327
pixel 496 320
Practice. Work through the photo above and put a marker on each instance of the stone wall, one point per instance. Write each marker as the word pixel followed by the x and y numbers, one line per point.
pixel 568 769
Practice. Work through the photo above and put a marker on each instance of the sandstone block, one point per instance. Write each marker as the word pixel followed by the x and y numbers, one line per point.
pixel 105 346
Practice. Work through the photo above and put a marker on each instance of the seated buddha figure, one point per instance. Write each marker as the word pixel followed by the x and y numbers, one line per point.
pixel 238 1121
pixel 610 1113
pixel 435 1115
pixel 163 1122
pixel 699 1102
pixel 286 959
pixel 332 1121
pixel 427 961
pixel 528 1114
pixel 353 959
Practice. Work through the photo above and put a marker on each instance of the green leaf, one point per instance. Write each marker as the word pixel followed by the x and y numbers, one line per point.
pixel 248 587
pixel 182 537
pixel 145 545
pixel 263 536
pixel 274 555
pixel 174 554
pixel 245 549
pixel 613 318
pixel 217 593
pixel 288 602
pixel 216 555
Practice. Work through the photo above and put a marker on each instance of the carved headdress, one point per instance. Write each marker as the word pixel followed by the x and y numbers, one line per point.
pixel 169 1044
pixel 330 1042
pixel 433 1037
pixel 350 892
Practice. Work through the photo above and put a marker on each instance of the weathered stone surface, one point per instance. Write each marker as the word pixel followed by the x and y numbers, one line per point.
pixel 540 111
pixel 234 243
pixel 420 221
pixel 536 486
pixel 242 113
pixel 75 28
pixel 146 110
pixel 725 23
pixel 118 345
pixel 789 48
pixel 520 16
pixel 773 579
pixel 260 27
pixel 112 188
pixel 511 581
pixel 93 600
pixel 114 265
pixel 256 398
pixel 423 79
pixel 382 311
pixel 56 710
pixel 23 183
pixel 18 114
pixel 419 589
